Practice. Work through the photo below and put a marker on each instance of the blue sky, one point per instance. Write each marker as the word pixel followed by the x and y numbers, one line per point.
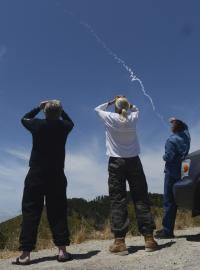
pixel 45 53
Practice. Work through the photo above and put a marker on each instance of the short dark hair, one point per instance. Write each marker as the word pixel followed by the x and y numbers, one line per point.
pixel 53 109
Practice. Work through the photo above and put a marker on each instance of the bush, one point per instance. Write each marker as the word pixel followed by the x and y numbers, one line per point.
pixel 3 240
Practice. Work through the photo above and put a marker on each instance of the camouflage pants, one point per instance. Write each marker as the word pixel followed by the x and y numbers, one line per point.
pixel 131 170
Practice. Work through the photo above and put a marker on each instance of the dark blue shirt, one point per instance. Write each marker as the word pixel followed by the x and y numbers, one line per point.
pixel 49 139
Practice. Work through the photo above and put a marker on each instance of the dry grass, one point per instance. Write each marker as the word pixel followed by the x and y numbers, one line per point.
pixel 183 219
pixel 44 244
pixel 104 234
pixel 7 254
pixel 80 235
pixel 84 232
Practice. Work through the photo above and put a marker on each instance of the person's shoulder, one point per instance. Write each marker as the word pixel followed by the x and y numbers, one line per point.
pixel 111 115
pixel 177 138
pixel 63 124
pixel 32 120
pixel 39 120
pixel 172 138
pixel 133 114
pixel 183 137
pixel 114 114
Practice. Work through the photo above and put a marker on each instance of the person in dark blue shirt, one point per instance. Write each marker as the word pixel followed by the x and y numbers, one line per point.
pixel 46 179
pixel 176 149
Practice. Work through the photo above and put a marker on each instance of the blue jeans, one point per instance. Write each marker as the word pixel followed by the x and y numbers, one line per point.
pixel 170 207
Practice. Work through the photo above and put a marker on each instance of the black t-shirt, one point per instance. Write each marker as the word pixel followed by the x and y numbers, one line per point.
pixel 49 139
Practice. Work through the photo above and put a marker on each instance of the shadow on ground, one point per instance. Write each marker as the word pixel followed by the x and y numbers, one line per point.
pixel 166 245
pixel 191 238
pixel 90 254
pixel 83 256
pixel 134 249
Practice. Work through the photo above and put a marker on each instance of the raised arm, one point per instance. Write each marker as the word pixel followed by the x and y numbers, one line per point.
pixel 133 108
pixel 101 109
pixel 67 121
pixel 134 111
pixel 28 119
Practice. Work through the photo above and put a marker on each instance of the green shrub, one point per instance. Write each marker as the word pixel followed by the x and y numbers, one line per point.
pixel 3 240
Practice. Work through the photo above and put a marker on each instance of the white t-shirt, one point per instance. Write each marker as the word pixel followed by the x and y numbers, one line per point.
pixel 121 136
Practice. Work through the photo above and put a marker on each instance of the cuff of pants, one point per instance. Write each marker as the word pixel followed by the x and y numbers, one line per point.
pixel 26 248
pixel 120 233
pixel 29 248
pixel 147 231
pixel 62 242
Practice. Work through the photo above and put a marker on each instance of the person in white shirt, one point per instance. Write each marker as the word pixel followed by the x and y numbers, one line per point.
pixel 124 165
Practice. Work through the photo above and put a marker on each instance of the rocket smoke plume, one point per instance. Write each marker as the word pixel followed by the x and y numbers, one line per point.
pixel 132 75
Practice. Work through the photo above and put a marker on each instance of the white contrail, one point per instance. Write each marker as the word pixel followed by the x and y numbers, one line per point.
pixel 133 76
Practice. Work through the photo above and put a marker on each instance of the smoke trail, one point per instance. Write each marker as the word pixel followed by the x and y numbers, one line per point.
pixel 132 75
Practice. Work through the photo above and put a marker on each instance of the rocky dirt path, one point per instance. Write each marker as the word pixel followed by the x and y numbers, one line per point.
pixel 181 253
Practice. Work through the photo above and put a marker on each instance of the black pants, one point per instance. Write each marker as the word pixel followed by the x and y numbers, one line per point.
pixel 51 185
pixel 130 169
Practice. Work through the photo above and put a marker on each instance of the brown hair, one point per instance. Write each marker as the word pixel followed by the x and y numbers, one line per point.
pixel 178 126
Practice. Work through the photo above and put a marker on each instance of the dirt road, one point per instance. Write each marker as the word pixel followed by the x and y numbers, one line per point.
pixel 181 253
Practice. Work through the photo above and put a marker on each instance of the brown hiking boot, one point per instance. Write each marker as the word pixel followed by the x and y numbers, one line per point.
pixel 150 243
pixel 119 247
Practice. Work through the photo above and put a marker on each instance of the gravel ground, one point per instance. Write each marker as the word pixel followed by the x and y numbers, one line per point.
pixel 181 253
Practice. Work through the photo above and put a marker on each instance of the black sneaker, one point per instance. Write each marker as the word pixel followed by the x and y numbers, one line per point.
pixel 161 234
pixel 65 258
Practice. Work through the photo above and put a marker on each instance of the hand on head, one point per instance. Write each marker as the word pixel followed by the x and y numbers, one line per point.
pixel 114 100
pixel 43 103
pixel 119 96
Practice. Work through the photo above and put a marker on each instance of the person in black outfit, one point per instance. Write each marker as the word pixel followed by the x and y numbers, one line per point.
pixel 46 179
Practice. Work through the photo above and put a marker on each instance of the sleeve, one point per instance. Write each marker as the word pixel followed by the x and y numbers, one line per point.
pixel 28 120
pixel 101 111
pixel 134 112
pixel 170 151
pixel 67 121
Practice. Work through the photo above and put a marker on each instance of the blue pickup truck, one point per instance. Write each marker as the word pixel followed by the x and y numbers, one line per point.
pixel 187 190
